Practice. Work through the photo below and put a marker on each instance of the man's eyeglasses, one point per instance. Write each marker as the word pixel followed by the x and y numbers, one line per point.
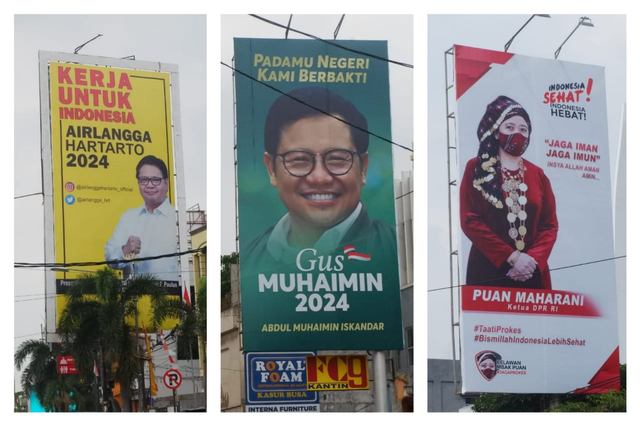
pixel 155 181
pixel 300 163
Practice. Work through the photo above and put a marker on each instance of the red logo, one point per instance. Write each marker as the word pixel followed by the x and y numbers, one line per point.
pixel 487 364
pixel 350 252
pixel 69 186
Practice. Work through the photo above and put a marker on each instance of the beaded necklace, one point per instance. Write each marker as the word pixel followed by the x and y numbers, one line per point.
pixel 515 198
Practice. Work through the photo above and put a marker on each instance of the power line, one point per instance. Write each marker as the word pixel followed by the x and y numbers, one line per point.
pixel 339 46
pixel 27 195
pixel 35 299
pixel 405 194
pixel 29 335
pixel 315 108
pixel 538 272
pixel 44 269
pixel 120 261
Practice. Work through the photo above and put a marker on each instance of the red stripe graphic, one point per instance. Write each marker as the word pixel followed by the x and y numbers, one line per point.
pixel 351 253
pixel 472 63
pixel 527 301
pixel 607 378
pixel 359 257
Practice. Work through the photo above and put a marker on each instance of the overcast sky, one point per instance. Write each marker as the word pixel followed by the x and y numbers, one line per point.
pixel 174 39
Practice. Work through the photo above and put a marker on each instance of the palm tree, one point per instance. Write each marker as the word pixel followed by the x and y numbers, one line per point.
pixel 55 392
pixel 201 313
pixel 40 369
pixel 193 320
pixel 94 322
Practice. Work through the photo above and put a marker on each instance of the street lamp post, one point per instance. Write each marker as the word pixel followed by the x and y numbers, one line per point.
pixel 506 46
pixel 583 21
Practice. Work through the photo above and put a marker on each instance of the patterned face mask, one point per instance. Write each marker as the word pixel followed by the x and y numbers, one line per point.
pixel 515 144
pixel 488 372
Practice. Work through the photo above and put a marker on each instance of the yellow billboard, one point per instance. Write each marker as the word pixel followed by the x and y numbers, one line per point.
pixel 112 173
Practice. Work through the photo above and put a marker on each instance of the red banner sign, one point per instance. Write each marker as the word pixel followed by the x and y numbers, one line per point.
pixel 67 365
pixel 526 301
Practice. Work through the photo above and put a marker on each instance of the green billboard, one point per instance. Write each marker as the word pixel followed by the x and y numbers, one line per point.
pixel 318 252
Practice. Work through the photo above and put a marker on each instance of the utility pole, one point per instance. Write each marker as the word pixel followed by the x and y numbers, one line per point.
pixel 176 402
pixel 96 362
pixel 140 365
pixel 139 354
pixel 381 398
pixel 193 376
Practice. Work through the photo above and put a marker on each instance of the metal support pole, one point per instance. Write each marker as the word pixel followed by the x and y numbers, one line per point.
pixel 140 365
pixel 176 403
pixel 96 378
pixel 582 21
pixel 380 382
pixel 235 157
pixel 193 376
pixel 450 183
pixel 105 392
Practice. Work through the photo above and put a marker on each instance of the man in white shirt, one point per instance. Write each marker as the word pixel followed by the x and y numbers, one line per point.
pixel 148 230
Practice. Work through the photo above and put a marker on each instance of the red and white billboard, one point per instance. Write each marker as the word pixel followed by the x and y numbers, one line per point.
pixel 536 241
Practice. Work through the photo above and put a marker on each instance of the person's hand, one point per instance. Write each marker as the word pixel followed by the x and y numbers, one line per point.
pixel 523 268
pixel 133 246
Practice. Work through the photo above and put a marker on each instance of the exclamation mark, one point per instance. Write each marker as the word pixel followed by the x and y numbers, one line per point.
pixel 589 86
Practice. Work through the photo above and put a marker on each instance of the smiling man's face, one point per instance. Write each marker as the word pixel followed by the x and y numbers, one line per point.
pixel 153 195
pixel 319 200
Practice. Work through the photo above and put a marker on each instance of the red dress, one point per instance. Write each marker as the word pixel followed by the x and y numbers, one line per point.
pixel 488 229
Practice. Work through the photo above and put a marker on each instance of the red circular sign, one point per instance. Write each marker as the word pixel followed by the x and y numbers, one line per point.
pixel 172 379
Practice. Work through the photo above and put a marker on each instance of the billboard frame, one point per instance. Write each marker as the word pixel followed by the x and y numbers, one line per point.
pixel 44 58
pixel 588 308
pixel 452 184
pixel 259 234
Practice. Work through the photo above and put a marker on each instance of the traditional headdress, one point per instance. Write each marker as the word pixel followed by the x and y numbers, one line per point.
pixel 481 357
pixel 488 163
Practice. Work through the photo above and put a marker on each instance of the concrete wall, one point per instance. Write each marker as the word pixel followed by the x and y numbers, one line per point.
pixel 441 392
pixel 403 361
pixel 231 360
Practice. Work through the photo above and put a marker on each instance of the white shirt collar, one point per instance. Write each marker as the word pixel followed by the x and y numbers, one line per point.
pixel 277 245
pixel 165 209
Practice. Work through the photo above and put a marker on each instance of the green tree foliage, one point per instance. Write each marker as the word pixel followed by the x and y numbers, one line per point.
pixel 225 278
pixel 186 331
pixel 193 322
pixel 94 321
pixel 507 403
pixel 201 309
pixel 613 401
pixel 55 392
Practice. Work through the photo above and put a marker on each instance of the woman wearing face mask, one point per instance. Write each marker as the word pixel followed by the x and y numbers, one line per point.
pixel 507 207
pixel 487 364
